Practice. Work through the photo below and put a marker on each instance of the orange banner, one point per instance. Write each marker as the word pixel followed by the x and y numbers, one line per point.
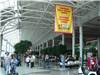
pixel 63 19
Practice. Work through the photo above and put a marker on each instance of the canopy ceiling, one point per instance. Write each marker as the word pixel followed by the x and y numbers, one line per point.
pixel 35 18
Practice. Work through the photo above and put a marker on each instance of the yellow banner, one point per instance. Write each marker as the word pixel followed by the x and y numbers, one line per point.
pixel 63 19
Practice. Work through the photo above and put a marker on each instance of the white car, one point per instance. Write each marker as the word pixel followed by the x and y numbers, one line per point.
pixel 70 63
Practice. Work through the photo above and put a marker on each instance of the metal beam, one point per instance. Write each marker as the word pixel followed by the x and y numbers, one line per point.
pixel 31 10
pixel 9 28
pixel 36 23
pixel 7 42
pixel 37 18
pixel 26 5
pixel 6 11
pixel 80 6
pixel 7 24
pixel 43 36
pixel 6 15
pixel 43 13
pixel 9 31
pixel 36 28
pixel 8 19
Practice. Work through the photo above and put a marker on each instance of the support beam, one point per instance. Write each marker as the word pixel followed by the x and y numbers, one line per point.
pixel 73 43
pixel 53 42
pixel 0 45
pixel 6 32
pixel 30 17
pixel 98 46
pixel 36 23
pixel 47 44
pixel 63 39
pixel 81 43
pixel 0 38
pixel 8 19
pixel 99 9
pixel 28 11
pixel 6 11
pixel 42 16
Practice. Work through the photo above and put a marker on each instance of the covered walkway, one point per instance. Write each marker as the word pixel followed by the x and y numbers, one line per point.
pixel 34 20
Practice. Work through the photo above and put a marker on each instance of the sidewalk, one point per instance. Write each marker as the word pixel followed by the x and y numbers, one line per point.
pixel 54 70
pixel 23 70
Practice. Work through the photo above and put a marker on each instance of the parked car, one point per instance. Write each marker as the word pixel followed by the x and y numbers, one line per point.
pixel 70 62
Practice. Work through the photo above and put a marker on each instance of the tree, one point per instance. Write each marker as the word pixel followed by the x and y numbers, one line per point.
pixel 22 46
pixel 56 50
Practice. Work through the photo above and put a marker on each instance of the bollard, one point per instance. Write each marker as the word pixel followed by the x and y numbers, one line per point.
pixel 80 72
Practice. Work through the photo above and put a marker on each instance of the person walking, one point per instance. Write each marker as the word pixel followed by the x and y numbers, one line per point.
pixel 32 60
pixel 47 63
pixel 7 60
pixel 27 60
pixel 62 58
pixel 13 64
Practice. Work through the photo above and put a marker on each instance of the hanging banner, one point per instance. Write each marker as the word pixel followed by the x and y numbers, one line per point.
pixel 63 19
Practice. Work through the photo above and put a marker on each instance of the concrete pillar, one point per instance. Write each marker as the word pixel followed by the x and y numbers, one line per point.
pixel 39 50
pixel 98 46
pixel 63 39
pixel 41 46
pixel 46 44
pixel 81 43
pixel 53 42
pixel 0 44
pixel 6 46
pixel 98 39
pixel 73 43
pixel 36 48
pixel 0 36
pixel 98 8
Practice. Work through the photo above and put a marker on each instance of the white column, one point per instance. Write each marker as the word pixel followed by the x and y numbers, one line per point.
pixel 98 47
pixel 73 43
pixel 6 46
pixel 53 42
pixel 63 39
pixel 46 44
pixel 98 9
pixel 0 44
pixel 81 42
pixel 42 46
pixel 40 49
pixel 0 36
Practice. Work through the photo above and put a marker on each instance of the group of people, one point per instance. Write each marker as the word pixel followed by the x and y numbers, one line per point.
pixel 10 63
pixel 45 61
pixel 30 60
pixel 93 64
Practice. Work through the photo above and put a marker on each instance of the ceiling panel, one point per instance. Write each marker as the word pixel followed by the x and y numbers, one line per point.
pixel 49 16
pixel 35 14
pixel 35 5
pixel 31 19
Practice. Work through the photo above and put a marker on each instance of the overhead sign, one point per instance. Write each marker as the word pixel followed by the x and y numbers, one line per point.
pixel 63 19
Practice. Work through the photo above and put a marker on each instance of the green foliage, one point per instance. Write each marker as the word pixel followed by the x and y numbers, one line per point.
pixel 56 50
pixel 22 46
